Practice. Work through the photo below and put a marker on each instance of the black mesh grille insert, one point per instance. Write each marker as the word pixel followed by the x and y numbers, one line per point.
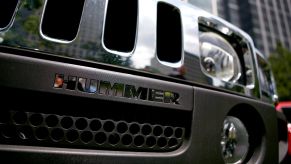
pixel 120 25
pixel 7 9
pixel 61 19
pixel 29 128
pixel 57 121
pixel 169 33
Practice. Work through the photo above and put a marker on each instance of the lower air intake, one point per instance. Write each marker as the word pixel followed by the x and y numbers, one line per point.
pixel 39 129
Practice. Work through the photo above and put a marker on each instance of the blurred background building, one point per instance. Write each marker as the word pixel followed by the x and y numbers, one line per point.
pixel 268 22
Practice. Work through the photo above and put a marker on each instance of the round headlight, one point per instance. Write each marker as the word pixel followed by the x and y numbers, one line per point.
pixel 234 141
pixel 218 58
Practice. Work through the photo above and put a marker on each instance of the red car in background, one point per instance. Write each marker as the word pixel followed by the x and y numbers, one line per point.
pixel 285 108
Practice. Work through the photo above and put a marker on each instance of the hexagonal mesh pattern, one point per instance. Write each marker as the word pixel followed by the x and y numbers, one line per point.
pixel 39 129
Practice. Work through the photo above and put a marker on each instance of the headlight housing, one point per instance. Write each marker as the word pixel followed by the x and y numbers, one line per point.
pixel 218 58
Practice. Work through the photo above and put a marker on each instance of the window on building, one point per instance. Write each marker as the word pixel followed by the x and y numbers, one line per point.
pixel 279 6
pixel 287 9
pixel 270 2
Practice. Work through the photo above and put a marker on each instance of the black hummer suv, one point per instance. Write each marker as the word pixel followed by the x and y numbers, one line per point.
pixel 130 81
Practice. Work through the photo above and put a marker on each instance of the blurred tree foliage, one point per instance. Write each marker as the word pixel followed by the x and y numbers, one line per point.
pixel 281 66
pixel 31 24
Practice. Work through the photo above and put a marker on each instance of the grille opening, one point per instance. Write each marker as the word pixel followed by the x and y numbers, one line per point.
pixel 57 134
pixel 162 142
pixel 129 113
pixel 8 131
pixel 61 19
pixel 151 141
pixel 36 119
pixel 114 139
pixel 158 130
pixel 100 138
pixel 41 133
pixel 52 121
pixel 138 137
pixel 95 125
pixel 169 132
pixel 81 124
pixel 109 126
pixel 126 139
pixel 122 127
pixel 139 140
pixel 25 132
pixel 146 129
pixel 178 132
pixel 67 122
pixel 7 10
pixel 20 117
pixel 169 33
pixel 172 142
pixel 135 128
pixel 86 136
pixel 72 135
pixel 120 36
